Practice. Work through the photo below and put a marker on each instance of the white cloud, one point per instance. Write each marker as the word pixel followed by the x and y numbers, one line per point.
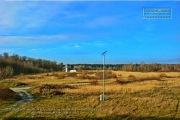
pixel 9 50
pixel 29 40
pixel 22 16
pixel 102 21
pixel 77 46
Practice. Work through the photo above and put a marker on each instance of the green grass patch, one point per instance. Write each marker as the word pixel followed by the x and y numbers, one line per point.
pixel 11 83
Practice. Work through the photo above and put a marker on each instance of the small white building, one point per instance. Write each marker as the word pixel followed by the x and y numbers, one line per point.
pixel 73 71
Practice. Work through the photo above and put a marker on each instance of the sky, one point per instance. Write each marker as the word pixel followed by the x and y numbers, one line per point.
pixel 77 32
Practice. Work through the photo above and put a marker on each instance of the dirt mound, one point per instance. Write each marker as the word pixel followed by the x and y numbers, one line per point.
pixel 7 94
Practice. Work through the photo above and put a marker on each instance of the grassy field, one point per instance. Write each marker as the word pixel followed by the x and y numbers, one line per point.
pixel 129 95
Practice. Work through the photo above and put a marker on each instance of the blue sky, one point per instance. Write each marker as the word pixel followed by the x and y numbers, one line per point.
pixel 78 32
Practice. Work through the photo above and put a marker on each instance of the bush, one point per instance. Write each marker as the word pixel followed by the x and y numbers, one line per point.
pixel 119 79
pixel 132 78
pixel 52 89
pixel 108 75
pixel 149 78
pixel 99 75
pixel 6 72
pixel 112 75
pixel 61 76
pixel 161 75
pixel 83 76
pixel 31 77
pixel 119 75
pixel 92 78
pixel 54 74
pixel 57 92
pixel 154 78
pixel 7 94
pixel 73 74
pixel 93 82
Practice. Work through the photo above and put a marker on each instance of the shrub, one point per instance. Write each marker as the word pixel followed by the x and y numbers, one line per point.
pixel 99 75
pixel 149 78
pixel 161 75
pixel 117 81
pixel 6 72
pixel 61 76
pixel 93 82
pixel 83 76
pixel 132 78
pixel 54 74
pixel 31 77
pixel 40 77
pixel 119 75
pixel 108 74
pixel 53 89
pixel 7 94
pixel 154 78
pixel 57 92
pixel 92 78
pixel 73 74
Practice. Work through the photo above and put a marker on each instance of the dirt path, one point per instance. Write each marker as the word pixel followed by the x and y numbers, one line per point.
pixel 23 93
pixel 26 98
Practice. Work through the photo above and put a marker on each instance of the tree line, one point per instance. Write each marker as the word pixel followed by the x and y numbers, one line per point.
pixel 11 65
pixel 142 67
pixel 15 65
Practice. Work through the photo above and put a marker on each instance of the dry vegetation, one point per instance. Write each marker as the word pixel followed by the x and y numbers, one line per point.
pixel 6 94
pixel 128 95
pixel 7 97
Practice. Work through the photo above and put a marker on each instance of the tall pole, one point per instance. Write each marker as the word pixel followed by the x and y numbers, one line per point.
pixel 104 53
pixel 103 76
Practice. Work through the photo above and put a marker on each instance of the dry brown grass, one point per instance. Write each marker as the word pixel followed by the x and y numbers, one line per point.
pixel 140 100
pixel 114 88
pixel 147 97
pixel 6 94
pixel 35 80
pixel 145 74
pixel 7 97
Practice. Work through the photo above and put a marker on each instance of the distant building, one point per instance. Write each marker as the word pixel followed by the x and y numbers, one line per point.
pixel 72 71
pixel 65 68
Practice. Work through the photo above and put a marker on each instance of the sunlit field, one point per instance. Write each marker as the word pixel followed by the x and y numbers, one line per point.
pixel 128 95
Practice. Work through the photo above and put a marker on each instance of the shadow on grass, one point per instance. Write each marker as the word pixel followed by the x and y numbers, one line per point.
pixel 120 117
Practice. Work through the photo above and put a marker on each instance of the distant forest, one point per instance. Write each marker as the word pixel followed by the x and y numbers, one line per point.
pixel 142 67
pixel 16 65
